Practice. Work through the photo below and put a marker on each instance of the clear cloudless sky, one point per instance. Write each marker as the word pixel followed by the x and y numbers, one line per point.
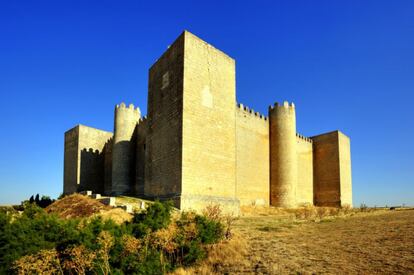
pixel 347 65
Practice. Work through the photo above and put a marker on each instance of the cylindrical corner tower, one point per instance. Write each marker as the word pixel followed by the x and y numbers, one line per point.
pixel 123 150
pixel 283 160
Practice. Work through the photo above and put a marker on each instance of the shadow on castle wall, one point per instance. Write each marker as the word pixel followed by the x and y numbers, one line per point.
pixel 96 168
pixel 91 171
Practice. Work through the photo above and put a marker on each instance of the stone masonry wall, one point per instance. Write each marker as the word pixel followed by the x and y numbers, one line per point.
pixel 209 127
pixel 163 166
pixel 70 162
pixel 304 190
pixel 283 155
pixel 345 169
pixel 108 166
pixel 123 150
pixel 326 170
pixel 252 141
pixel 140 157
pixel 84 159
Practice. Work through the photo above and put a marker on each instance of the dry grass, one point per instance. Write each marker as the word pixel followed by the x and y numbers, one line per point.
pixel 222 258
pixel 305 213
pixel 118 215
pixel 355 242
pixel 313 240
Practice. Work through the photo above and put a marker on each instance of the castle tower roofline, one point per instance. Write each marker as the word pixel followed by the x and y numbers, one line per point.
pixel 185 34
pixel 130 107
pixel 285 105
pixel 90 127
pixel 330 132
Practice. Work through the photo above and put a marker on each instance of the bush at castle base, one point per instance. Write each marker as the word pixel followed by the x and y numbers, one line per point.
pixel 152 243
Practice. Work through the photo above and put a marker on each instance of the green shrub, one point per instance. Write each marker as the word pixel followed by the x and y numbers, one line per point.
pixel 4 223
pixel 150 244
pixel 157 216
pixel 193 252
pixel 33 231
pixel 209 231
pixel 195 231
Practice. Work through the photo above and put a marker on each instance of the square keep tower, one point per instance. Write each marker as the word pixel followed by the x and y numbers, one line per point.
pixel 191 149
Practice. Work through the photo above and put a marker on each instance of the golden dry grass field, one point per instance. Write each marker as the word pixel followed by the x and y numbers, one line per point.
pixel 379 242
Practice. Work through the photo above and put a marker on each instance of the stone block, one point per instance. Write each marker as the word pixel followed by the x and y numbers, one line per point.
pixel 110 201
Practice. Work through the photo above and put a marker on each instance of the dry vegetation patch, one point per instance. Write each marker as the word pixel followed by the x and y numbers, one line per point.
pixel 222 258
pixel 76 206
pixel 118 215
pixel 376 242
pixel 80 206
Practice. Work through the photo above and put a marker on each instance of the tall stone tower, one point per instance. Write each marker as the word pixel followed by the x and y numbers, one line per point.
pixel 191 126
pixel 123 150
pixel 332 169
pixel 283 157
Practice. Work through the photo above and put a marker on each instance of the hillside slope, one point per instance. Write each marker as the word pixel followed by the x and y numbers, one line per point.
pixel 80 206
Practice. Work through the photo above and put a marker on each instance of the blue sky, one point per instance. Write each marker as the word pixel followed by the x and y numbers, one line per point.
pixel 347 65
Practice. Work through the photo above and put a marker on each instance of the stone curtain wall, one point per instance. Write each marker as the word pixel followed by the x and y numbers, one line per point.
pixel 108 166
pixel 84 157
pixel 140 157
pixel 252 141
pixel 304 190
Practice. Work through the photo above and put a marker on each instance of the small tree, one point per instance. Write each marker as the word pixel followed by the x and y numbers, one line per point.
pixel 37 200
pixel 45 201
pixel 105 241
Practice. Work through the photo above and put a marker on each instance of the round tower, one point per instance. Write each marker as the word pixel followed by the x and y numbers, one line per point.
pixel 123 150
pixel 283 160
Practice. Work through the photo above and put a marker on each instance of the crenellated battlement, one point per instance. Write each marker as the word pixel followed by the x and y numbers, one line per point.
pixel 250 111
pixel 130 107
pixel 302 137
pixel 91 151
pixel 109 141
pixel 142 120
pixel 285 105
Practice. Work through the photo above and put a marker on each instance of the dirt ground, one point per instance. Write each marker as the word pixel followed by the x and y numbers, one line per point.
pixel 366 243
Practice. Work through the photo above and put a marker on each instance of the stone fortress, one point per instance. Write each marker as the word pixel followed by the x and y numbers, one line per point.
pixel 196 146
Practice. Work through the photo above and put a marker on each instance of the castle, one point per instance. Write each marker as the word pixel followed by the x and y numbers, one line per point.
pixel 196 146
